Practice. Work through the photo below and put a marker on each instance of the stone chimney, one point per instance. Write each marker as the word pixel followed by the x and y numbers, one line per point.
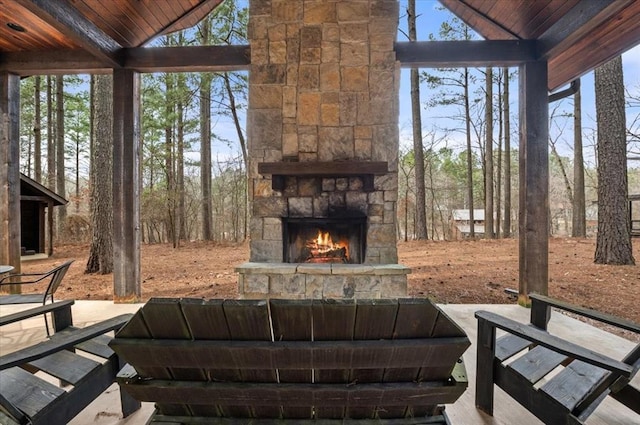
pixel 323 134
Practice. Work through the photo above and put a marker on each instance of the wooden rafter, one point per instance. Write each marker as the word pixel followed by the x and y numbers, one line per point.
pixel 65 18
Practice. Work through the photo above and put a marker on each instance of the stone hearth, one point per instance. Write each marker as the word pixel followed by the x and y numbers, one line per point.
pixel 323 142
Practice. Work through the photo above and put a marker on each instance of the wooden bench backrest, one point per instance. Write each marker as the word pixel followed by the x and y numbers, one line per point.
pixel 392 343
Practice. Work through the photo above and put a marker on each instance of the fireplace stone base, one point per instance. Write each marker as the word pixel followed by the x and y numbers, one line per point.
pixel 318 281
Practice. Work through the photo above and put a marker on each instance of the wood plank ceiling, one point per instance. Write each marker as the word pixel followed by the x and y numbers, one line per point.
pixel 129 23
pixel 575 36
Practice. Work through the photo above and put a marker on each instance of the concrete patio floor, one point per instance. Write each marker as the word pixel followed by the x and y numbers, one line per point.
pixel 105 409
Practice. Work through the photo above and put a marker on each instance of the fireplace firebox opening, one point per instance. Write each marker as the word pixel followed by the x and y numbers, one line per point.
pixel 324 240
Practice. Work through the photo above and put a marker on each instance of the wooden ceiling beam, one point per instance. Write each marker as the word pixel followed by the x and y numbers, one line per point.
pixel 475 53
pixel 188 58
pixel 579 22
pixel 140 59
pixel 64 17
pixel 52 62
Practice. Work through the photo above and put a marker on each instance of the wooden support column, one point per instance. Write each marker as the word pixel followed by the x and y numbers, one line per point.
pixel 126 186
pixel 534 180
pixel 10 172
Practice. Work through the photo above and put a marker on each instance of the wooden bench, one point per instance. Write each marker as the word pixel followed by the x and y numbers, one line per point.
pixel 556 380
pixel 34 399
pixel 52 278
pixel 320 361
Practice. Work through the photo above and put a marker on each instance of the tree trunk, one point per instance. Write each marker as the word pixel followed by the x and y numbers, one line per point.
pixel 51 145
pixel 579 221
pixel 60 152
pixel 488 178
pixel 101 252
pixel 418 149
pixel 169 162
pixel 467 119
pixel 241 139
pixel 181 213
pixel 613 243
pixel 205 141
pixel 499 162
pixel 507 158
pixel 205 156
pixel 37 131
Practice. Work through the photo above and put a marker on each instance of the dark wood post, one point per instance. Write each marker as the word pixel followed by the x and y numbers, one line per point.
pixel 126 191
pixel 50 228
pixel 10 172
pixel 534 180
pixel 484 360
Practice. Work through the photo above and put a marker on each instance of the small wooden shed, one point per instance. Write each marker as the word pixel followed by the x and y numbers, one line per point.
pixel 634 215
pixel 35 201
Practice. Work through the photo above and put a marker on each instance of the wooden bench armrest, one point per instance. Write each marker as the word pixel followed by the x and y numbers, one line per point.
pixel 62 340
pixel 36 311
pixel 543 338
pixel 541 303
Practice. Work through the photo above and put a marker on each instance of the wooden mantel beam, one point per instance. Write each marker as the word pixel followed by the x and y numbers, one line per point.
pixel 64 17
pixel 473 53
pixel 139 59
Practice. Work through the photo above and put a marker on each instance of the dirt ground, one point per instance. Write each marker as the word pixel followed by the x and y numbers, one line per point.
pixel 470 272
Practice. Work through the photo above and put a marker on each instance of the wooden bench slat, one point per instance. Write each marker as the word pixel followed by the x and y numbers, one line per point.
pixel 249 320
pixel 65 365
pixel 537 363
pixel 36 311
pixel 586 312
pixel 375 320
pixel 332 319
pixel 274 394
pixel 293 355
pixel 439 418
pixel 509 345
pixel 98 346
pixel 291 320
pixel 27 392
pixel 61 340
pixel 574 383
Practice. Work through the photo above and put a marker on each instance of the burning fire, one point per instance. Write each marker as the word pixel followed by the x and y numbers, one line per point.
pixel 323 246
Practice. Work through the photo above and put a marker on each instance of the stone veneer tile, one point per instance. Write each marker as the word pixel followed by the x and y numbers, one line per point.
pixel 334 286
pixel 256 283
pixel 301 207
pixel 294 284
pixel 311 268
pixel 352 269
pixel 265 251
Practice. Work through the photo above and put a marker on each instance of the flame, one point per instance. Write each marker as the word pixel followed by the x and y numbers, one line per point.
pixel 323 243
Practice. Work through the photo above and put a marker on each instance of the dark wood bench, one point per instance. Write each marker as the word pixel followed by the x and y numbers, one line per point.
pixel 556 380
pixel 321 361
pixel 49 281
pixel 29 398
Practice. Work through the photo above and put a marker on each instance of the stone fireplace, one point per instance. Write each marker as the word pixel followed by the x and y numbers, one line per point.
pixel 323 150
